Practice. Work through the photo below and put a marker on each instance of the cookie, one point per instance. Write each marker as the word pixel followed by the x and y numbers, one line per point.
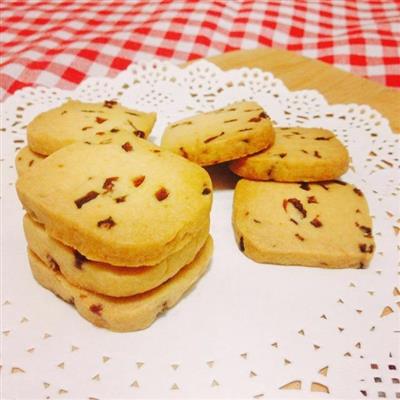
pixel 318 224
pixel 26 159
pixel 128 313
pixel 75 121
pixel 298 155
pixel 105 278
pixel 232 132
pixel 118 204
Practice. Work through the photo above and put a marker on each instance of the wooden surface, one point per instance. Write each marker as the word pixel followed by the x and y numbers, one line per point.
pixel 298 72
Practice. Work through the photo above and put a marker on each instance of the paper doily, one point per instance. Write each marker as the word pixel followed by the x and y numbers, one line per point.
pixel 247 330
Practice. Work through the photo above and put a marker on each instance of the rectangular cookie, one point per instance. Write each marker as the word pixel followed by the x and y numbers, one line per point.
pixel 319 225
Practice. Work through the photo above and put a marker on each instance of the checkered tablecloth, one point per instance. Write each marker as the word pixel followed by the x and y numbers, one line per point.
pixel 59 43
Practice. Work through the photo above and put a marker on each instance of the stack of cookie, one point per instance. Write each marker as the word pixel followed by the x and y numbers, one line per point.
pixel 115 226
pixel 306 217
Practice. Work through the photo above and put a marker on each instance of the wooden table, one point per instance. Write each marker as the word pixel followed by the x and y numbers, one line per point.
pixel 298 72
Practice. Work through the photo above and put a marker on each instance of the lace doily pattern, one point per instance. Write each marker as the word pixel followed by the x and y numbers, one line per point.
pixel 248 330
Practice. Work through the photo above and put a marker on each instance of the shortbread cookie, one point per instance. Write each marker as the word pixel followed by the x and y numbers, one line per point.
pixel 298 155
pixel 318 225
pixel 232 132
pixel 26 159
pixel 128 313
pixel 118 204
pixel 75 121
pixel 105 278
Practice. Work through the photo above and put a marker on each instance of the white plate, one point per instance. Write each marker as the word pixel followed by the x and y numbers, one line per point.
pixel 247 329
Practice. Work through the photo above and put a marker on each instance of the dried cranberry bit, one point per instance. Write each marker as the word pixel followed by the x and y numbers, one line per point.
pixel 323 186
pixel 357 192
pixel 52 263
pixel 206 191
pixel 86 198
pixel 316 154
pixel 282 155
pixel 366 230
pixel 96 309
pixel 323 138
pixel 120 199
pixel 138 180
pixel 110 103
pixel 255 119
pixel 298 205
pixel 108 184
pixel 213 137
pixel 312 200
pixel 316 222
pixel 183 152
pixel 100 120
pixel 139 134
pixel 182 123
pixel 79 259
pixel 299 237
pixel 30 163
pixel 127 146
pixel 107 223
pixel 364 248
pixel 241 244
pixel 161 194
pixel 305 186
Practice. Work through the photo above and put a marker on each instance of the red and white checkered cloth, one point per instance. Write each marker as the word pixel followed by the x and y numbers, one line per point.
pixel 59 43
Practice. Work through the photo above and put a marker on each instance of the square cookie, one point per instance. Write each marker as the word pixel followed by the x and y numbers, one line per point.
pixel 319 225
